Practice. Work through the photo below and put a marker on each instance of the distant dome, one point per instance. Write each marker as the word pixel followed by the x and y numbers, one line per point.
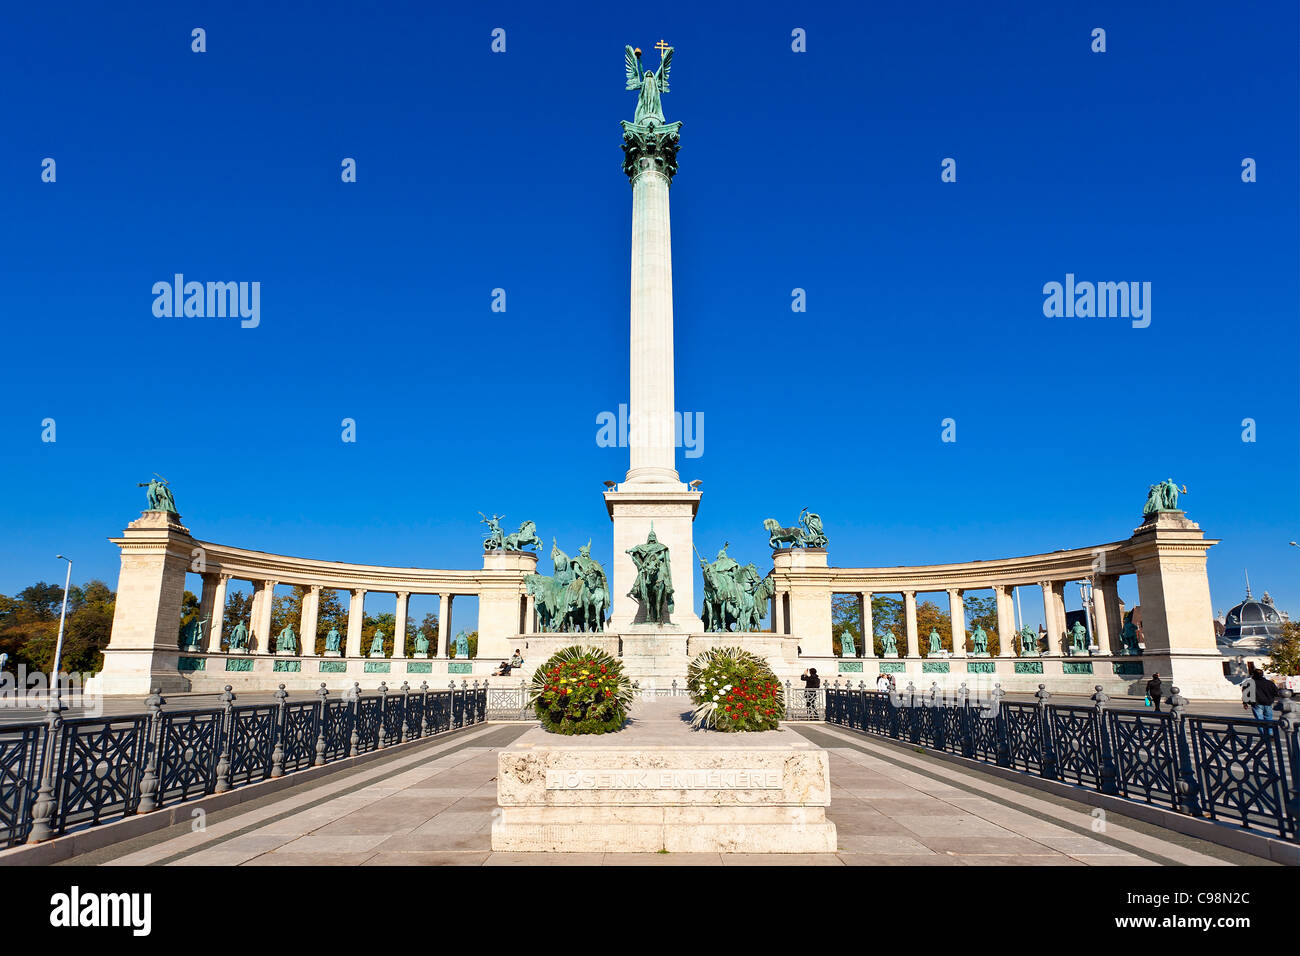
pixel 1252 619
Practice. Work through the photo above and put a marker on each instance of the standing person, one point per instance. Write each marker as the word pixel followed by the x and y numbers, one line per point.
pixel 811 683
pixel 882 683
pixel 1155 690
pixel 1265 695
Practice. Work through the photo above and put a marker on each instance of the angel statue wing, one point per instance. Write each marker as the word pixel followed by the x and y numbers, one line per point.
pixel 661 76
pixel 633 64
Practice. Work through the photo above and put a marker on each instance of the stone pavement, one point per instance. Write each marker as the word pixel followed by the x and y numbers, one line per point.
pixel 891 806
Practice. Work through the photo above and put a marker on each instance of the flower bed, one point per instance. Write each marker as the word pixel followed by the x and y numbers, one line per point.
pixel 581 690
pixel 734 690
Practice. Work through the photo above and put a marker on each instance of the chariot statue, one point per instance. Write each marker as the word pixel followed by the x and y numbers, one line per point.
pixel 807 534
pixel 497 540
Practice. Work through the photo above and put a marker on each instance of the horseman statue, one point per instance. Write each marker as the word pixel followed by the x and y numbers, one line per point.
pixel 807 534
pixel 653 587
pixel 735 597
pixel 575 597
pixel 497 540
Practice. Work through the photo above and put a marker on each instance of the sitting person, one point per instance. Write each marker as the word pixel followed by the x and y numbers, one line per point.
pixel 516 660
pixel 503 669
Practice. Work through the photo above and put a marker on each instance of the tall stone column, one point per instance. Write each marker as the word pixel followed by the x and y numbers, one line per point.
pixel 219 613
pixel 909 619
pixel 399 627
pixel 1105 608
pixel 868 628
pixel 307 623
pixel 652 494
pixel 1006 621
pixel 356 620
pixel 208 598
pixel 530 614
pixel 957 616
pixel 262 607
pixel 444 623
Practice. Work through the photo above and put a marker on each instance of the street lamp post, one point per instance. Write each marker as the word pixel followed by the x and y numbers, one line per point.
pixel 58 647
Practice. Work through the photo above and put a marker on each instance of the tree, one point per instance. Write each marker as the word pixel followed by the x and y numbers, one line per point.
pixel 29 627
pixel 930 618
pixel 43 601
pixel 1284 653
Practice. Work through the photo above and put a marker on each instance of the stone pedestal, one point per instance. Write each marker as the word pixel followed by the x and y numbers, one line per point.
pixel 658 786
pixel 671 509
pixel 422 655
pixel 142 652
pixel 333 654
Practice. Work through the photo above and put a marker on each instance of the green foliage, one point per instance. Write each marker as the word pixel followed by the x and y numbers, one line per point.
pixel 581 690
pixel 846 616
pixel 734 691
pixel 29 627
pixel 1284 653
pixel 983 612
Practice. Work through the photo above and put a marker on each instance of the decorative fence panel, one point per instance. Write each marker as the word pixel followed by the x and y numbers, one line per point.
pixel 1235 770
pixel 20 770
pixel 189 744
pixel 60 774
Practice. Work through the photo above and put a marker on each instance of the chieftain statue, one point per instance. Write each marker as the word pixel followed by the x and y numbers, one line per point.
pixel 575 597
pixel 497 540
pixel 158 494
pixel 653 587
pixel 889 644
pixel 735 596
pixel 808 534
pixel 1128 637
pixel 377 645
pixel 238 640
pixel 979 641
pixel 936 643
pixel 193 632
pixel 462 645
pixel 421 643
pixel 287 641
pixel 1079 637
pixel 333 639
pixel 1162 497
pixel 1028 642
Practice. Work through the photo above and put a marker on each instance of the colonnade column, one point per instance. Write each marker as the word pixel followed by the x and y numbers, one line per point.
pixel 1006 620
pixel 868 628
pixel 1054 614
pixel 909 618
pixel 262 606
pixel 399 628
pixel 530 614
pixel 1105 611
pixel 957 619
pixel 444 623
pixel 218 612
pixel 356 618
pixel 307 623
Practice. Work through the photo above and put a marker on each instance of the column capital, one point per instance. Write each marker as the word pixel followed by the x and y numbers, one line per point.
pixel 650 148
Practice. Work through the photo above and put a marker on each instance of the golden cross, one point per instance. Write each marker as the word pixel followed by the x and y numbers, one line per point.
pixel 661 46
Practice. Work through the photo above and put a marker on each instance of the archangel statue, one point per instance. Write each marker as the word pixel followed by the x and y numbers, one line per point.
pixel 649 109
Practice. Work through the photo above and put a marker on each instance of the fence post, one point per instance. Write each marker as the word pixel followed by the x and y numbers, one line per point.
pixel 523 700
pixel 406 710
pixel 1049 769
pixel 228 733
pixel 1187 786
pixel 383 714
pixel 324 695
pixel 277 752
pixel 963 721
pixel 43 810
pixel 149 780
pixel 354 742
pixel 424 708
pixel 1106 770
pixel 1289 726
pixel 1000 727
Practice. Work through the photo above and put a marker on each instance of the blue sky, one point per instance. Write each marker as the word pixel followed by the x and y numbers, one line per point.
pixel 816 170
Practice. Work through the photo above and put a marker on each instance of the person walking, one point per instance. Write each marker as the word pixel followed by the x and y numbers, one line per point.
pixel 1155 691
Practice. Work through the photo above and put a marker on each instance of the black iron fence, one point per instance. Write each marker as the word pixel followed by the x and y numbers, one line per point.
pixel 1238 770
pixel 58 775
